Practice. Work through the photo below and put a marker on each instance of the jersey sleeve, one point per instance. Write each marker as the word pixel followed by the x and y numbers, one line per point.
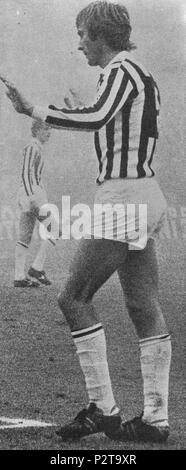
pixel 114 92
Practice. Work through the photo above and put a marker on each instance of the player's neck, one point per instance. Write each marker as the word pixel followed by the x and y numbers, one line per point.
pixel 37 141
pixel 107 57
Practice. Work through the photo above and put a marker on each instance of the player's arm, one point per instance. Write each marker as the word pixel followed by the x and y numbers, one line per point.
pixel 20 104
pixel 116 90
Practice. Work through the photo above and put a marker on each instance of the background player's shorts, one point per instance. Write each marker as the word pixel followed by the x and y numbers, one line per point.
pixel 27 221
pixel 140 215
pixel 28 211
pixel 32 203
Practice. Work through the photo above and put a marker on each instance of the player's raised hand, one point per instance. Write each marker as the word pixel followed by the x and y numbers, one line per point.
pixel 20 104
pixel 73 100
pixel 5 81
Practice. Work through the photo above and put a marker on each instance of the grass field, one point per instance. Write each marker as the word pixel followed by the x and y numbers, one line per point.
pixel 39 373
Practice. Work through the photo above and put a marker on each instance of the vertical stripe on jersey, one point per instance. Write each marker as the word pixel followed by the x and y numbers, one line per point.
pixel 38 166
pixel 98 150
pixel 157 92
pixel 110 147
pixel 40 171
pixel 125 142
pixel 26 173
pixel 134 135
pixel 125 136
pixel 29 169
pixel 151 156
pixel 148 126
pixel 103 145
pixel 117 145
pixel 36 175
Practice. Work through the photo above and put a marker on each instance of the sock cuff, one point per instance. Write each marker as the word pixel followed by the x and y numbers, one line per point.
pixel 53 242
pixel 19 243
pixel 90 332
pixel 154 340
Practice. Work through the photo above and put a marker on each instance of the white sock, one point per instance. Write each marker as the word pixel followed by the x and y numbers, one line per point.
pixel 91 349
pixel 155 367
pixel 21 251
pixel 41 254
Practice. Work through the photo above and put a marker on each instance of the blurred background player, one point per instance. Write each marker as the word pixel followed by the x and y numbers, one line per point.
pixel 31 197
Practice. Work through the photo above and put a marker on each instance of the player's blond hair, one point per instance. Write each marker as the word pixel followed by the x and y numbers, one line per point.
pixel 109 20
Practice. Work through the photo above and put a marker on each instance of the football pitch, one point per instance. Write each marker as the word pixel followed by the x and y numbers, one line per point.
pixel 40 375
pixel 42 386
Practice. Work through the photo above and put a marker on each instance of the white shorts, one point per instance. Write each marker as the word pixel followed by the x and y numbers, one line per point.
pixel 31 203
pixel 139 207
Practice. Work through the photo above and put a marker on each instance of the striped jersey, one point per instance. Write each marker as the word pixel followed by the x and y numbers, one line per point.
pixel 33 162
pixel 124 117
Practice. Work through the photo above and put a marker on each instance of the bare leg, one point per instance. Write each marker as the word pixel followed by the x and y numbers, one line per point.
pixel 94 263
pixel 139 281
pixel 26 227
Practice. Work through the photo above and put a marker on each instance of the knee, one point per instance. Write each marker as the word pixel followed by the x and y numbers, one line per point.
pixel 133 305
pixel 64 301
pixel 68 300
pixel 139 302
pixel 68 297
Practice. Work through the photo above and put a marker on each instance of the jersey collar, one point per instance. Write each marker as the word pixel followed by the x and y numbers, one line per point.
pixel 37 142
pixel 118 58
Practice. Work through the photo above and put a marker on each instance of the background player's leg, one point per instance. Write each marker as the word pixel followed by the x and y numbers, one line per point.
pixel 26 227
pixel 139 280
pixel 37 269
pixel 40 258
pixel 94 263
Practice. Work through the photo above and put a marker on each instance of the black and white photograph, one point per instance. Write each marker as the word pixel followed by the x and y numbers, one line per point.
pixel 92 229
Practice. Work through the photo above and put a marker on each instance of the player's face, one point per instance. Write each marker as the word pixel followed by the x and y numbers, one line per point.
pixel 93 50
